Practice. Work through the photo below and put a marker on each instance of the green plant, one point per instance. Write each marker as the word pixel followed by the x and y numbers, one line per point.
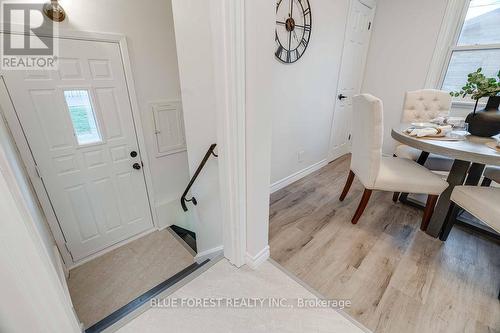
pixel 479 86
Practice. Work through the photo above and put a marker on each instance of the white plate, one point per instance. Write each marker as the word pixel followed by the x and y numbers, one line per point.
pixel 424 125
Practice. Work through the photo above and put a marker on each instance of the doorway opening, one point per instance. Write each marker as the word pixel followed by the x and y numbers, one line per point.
pixel 77 136
pixel 384 262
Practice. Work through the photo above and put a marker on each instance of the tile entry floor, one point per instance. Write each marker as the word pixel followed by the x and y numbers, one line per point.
pixel 224 280
pixel 398 278
pixel 103 285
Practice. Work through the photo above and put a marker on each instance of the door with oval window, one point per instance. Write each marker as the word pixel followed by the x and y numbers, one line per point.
pixel 79 126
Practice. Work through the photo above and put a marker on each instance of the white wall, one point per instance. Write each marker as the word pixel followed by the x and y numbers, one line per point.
pixel 306 93
pixel 148 26
pixel 197 80
pixel 403 40
pixel 33 299
pixel 261 101
pixel 15 165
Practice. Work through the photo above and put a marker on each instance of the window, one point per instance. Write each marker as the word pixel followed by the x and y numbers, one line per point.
pixel 82 116
pixel 477 45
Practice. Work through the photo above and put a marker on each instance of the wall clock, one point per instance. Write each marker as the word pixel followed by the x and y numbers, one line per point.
pixel 293 29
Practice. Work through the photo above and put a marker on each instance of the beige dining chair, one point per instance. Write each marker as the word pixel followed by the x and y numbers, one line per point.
pixel 491 173
pixel 480 201
pixel 422 106
pixel 377 172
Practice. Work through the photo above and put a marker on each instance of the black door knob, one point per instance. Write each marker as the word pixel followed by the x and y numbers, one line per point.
pixel 341 97
pixel 133 153
pixel 136 166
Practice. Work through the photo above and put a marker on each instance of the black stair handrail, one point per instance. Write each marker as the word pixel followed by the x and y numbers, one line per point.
pixel 210 151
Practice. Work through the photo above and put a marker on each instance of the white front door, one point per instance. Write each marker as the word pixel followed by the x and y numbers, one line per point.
pixel 357 38
pixel 79 126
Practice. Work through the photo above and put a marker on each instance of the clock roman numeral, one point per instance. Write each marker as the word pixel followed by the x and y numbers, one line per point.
pixel 279 51
pixel 303 42
pixel 307 11
pixel 283 54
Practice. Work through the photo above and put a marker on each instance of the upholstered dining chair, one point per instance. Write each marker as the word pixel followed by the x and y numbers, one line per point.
pixel 377 172
pixel 491 173
pixel 480 201
pixel 422 106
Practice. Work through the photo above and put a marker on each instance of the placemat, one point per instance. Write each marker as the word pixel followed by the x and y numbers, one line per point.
pixel 493 145
pixel 440 138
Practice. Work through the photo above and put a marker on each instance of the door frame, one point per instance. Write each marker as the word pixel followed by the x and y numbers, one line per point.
pixel 228 34
pixel 372 4
pixel 22 144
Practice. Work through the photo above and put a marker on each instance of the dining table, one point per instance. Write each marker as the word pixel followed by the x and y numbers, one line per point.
pixel 470 156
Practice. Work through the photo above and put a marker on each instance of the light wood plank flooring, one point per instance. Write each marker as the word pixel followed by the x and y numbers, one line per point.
pixel 110 281
pixel 398 278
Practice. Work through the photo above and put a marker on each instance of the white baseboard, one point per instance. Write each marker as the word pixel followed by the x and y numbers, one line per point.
pixel 63 274
pixel 62 269
pixel 297 175
pixel 254 261
pixel 209 254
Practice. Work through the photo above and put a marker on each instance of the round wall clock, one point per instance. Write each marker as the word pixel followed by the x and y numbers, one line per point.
pixel 293 29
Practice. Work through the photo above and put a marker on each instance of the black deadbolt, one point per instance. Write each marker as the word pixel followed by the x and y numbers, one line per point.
pixel 136 166
pixel 133 153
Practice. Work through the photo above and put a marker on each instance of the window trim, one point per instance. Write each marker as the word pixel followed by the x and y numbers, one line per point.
pixel 451 27
pixel 453 20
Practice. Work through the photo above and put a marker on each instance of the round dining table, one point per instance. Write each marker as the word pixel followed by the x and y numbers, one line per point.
pixel 470 156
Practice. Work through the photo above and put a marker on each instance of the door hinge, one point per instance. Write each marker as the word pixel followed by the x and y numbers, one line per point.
pixel 67 249
pixel 369 25
pixel 38 173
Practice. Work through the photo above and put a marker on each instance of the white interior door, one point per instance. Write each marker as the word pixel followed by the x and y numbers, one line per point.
pixel 79 126
pixel 357 38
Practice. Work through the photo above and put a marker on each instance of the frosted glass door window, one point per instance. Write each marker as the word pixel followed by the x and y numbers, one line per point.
pixel 82 116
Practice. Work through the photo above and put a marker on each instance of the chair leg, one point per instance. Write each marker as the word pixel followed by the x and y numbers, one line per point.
pixel 395 196
pixel 429 209
pixel 347 185
pixel 450 221
pixel 486 182
pixel 362 205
